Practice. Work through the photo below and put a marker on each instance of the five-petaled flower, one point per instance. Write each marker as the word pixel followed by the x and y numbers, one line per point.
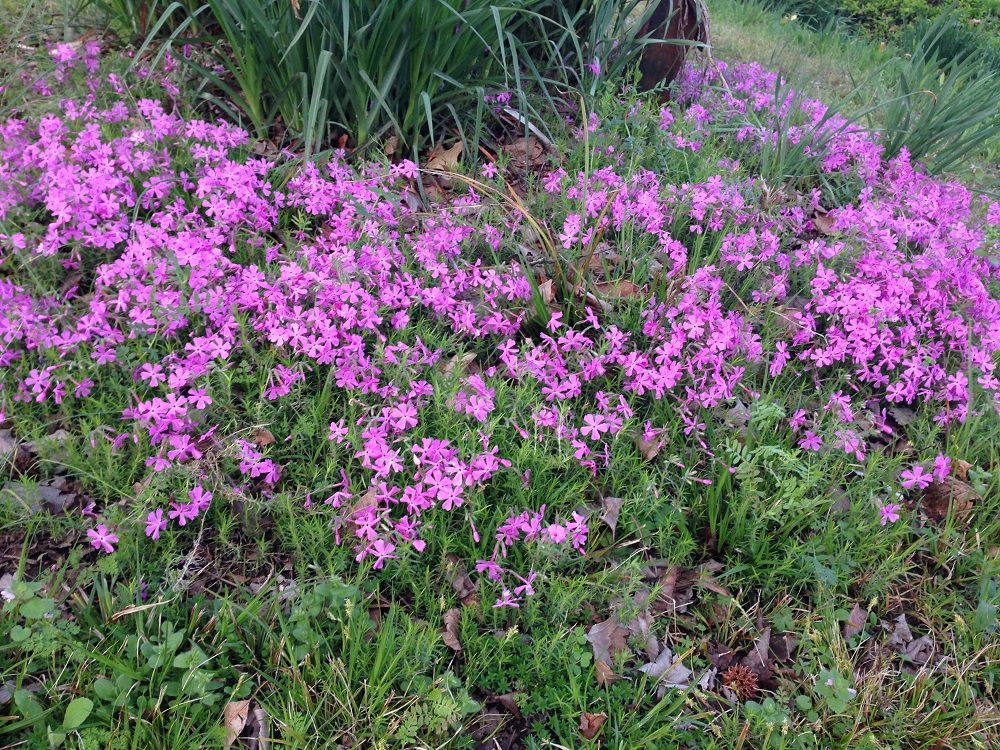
pixel 888 513
pixel 101 538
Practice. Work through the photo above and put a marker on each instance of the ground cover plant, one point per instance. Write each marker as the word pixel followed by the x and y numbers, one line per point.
pixel 683 433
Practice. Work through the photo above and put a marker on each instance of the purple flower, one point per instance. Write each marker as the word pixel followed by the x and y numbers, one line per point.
pixel 200 499
pixel 888 513
pixel 155 523
pixel 810 441
pixel 915 477
pixel 101 538
pixel 942 467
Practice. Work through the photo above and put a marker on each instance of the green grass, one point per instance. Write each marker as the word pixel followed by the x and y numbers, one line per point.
pixel 827 64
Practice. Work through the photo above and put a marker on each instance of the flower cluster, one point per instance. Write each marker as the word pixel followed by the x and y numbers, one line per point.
pixel 182 233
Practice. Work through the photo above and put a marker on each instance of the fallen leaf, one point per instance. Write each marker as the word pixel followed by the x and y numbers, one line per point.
pixel 38 497
pixel 260 738
pixel 648 448
pixel 960 469
pixel 234 718
pixel 607 638
pixel 920 651
pixel 547 290
pixel 823 223
pixel 441 160
pixel 707 681
pixel 459 363
pixel 262 438
pixel 902 414
pixel 901 634
pixel 855 622
pixel 621 289
pixel 668 670
pixel 605 674
pixel 590 724
pixel 720 656
pixel 459 579
pixel 367 500
pixel 707 581
pixel 642 628
pixel 509 701
pixel 675 591
pixel 264 147
pixel 758 660
pixel 953 496
pixel 391 145
pixel 451 620
pixel 8 444
pixel 71 282
pixel 525 154
pixel 612 508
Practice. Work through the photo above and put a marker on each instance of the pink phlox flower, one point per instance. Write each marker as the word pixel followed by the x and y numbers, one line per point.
pixel 155 523
pixel 594 426
pixel 526 589
pixel 942 467
pixel 338 431
pixel 492 570
pixel 101 538
pixel 182 513
pixel 915 477
pixel 507 599
pixel 888 513
pixel 811 441
pixel 200 498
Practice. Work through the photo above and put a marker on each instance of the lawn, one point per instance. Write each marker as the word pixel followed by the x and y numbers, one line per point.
pixel 653 425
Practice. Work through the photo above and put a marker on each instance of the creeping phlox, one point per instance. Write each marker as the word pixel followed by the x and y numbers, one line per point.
pixel 180 230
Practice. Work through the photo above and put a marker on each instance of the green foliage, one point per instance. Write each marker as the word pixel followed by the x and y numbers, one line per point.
pixel 891 18
pixel 369 69
pixel 135 20
pixel 943 111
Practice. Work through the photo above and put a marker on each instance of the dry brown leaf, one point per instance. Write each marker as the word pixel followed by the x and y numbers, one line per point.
pixel 648 449
pixel 952 495
pixel 509 701
pixel 234 718
pixel 590 724
pixel 72 281
pixel 707 581
pixel 262 438
pixel 823 223
pixel 621 289
pixel 605 674
pixel 607 638
pixel 720 656
pixel 668 669
pixel 451 620
pixel 365 501
pixel 759 660
pixel 264 147
pixel 960 469
pixel 260 738
pixel 612 509
pixel 445 160
pixel 547 290
pixel 525 155
pixel 855 622
pixel 459 579
pixel 459 363
pixel 391 145
pixel 666 599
